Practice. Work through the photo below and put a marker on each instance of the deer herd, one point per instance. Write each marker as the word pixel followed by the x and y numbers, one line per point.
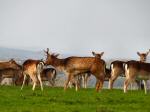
pixel 77 70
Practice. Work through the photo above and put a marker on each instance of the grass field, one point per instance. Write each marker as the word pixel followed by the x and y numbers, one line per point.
pixel 58 100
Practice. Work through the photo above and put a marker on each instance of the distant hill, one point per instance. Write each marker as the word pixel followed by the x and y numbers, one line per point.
pixel 18 54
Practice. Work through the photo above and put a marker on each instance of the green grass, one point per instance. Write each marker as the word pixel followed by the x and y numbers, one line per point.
pixel 58 100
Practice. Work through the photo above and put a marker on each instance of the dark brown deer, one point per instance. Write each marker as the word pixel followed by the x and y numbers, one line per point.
pixel 9 64
pixel 49 74
pixel 33 68
pixel 73 66
pixel 136 70
pixel 15 74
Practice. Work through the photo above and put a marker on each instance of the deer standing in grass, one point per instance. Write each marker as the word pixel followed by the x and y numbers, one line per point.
pixel 73 66
pixel 117 69
pixel 33 68
pixel 83 78
pixel 49 74
pixel 137 70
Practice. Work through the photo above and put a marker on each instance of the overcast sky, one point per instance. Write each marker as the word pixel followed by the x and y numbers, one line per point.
pixel 120 28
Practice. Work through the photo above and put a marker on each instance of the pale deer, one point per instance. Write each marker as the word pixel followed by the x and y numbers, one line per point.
pixel 33 68
pixel 73 66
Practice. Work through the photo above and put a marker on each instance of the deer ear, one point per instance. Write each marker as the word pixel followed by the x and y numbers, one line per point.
pixel 102 53
pixel 11 60
pixel 148 52
pixel 138 53
pixel 93 53
pixel 56 55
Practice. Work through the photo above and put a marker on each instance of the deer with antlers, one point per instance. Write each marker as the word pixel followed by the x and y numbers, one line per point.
pixel 33 68
pixel 73 66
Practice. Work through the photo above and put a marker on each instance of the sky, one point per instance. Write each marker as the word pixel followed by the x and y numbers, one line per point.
pixel 120 28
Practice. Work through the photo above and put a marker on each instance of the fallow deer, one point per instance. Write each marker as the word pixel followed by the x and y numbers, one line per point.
pixel 49 74
pixel 143 58
pixel 9 64
pixel 117 69
pixel 73 66
pixel 136 70
pixel 12 73
pixel 85 77
pixel 33 68
pixel 108 72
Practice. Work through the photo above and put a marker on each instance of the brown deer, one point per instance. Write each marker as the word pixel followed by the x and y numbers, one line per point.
pixel 136 70
pixel 117 69
pixel 85 77
pixel 15 74
pixel 143 58
pixel 49 74
pixel 9 64
pixel 73 66
pixel 33 68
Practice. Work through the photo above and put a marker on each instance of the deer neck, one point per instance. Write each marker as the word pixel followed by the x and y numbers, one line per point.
pixel 59 64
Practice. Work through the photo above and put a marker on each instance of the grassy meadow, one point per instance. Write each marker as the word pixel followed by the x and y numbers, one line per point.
pixel 12 99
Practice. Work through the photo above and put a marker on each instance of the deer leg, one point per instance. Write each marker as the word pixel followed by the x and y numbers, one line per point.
pixel 111 80
pixel 145 86
pixel 97 85
pixel 78 82
pixel 51 81
pixel 39 78
pixel 34 84
pixel 126 84
pixel 86 79
pixel 67 82
pixel 24 79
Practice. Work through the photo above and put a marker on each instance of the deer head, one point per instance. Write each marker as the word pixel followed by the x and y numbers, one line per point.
pixel 50 57
pixel 143 56
pixel 98 55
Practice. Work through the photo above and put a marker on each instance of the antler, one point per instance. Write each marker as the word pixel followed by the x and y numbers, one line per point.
pixel 46 51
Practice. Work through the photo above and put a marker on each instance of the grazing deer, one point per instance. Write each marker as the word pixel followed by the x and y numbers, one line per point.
pixel 49 74
pixel 33 68
pixel 73 66
pixel 136 70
